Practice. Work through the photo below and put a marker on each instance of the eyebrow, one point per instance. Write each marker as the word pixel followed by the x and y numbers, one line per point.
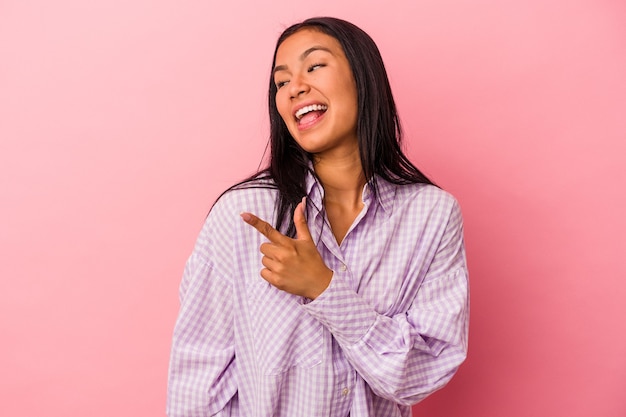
pixel 303 56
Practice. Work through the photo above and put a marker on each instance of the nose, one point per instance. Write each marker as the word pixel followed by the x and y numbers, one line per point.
pixel 297 87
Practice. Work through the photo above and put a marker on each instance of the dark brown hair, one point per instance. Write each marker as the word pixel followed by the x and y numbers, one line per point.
pixel 378 126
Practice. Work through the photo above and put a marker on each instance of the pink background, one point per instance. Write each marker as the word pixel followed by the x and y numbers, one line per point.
pixel 121 121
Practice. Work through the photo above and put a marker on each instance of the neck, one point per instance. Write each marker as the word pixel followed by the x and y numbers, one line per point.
pixel 342 179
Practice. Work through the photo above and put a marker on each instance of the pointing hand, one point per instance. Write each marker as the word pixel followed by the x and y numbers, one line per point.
pixel 292 265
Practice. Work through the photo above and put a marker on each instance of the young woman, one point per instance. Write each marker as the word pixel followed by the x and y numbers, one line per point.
pixel 333 282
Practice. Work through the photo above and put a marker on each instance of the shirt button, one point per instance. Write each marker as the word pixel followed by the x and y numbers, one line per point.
pixel 345 392
pixel 343 268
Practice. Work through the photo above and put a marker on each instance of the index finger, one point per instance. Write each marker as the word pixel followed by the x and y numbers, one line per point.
pixel 263 227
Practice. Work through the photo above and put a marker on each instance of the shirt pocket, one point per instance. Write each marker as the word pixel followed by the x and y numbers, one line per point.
pixel 284 335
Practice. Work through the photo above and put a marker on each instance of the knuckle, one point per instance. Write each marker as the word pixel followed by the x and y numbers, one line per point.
pixel 278 282
pixel 266 229
pixel 266 274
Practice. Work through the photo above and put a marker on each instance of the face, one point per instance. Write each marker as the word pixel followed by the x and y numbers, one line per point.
pixel 317 96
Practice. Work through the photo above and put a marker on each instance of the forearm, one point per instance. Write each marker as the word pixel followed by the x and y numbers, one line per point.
pixel 405 357
pixel 202 376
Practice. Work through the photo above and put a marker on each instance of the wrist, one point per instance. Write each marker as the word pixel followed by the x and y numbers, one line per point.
pixel 324 281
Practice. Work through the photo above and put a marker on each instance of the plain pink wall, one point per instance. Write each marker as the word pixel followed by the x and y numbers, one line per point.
pixel 121 121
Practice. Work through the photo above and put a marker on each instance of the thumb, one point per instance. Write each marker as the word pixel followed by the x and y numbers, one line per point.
pixel 302 229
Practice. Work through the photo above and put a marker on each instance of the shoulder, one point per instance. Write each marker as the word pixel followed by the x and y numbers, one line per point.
pixel 223 225
pixel 248 196
pixel 425 195
pixel 427 205
pixel 257 197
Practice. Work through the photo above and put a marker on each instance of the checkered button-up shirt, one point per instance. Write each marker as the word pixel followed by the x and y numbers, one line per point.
pixel 390 328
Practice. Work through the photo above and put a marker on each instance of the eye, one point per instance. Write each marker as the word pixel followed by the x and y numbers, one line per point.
pixel 280 84
pixel 315 66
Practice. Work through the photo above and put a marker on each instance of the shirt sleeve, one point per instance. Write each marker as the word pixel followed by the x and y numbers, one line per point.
pixel 202 378
pixel 408 356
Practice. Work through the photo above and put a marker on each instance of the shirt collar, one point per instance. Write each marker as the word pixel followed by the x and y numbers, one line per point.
pixel 314 191
pixel 384 197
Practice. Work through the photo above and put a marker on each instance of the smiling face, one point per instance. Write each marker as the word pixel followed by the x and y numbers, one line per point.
pixel 316 93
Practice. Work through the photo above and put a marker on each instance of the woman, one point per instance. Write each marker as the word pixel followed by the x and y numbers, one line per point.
pixel 353 301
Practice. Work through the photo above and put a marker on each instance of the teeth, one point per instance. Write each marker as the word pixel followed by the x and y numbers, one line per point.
pixel 306 109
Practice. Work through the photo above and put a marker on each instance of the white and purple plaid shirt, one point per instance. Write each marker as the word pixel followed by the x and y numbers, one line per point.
pixel 390 328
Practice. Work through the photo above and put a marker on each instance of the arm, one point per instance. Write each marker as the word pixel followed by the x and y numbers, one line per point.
pixel 202 377
pixel 406 357
pixel 402 358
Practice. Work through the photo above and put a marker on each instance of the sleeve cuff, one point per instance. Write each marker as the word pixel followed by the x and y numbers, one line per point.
pixel 342 311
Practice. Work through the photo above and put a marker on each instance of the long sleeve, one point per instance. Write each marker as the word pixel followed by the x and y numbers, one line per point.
pixel 406 356
pixel 390 328
pixel 202 377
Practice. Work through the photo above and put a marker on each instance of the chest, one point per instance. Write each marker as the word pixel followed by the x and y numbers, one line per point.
pixel 382 260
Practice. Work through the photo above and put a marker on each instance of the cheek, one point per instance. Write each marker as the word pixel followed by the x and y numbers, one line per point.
pixel 351 104
pixel 283 109
pixel 349 93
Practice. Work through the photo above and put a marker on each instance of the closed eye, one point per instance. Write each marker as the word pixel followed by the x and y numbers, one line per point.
pixel 314 67
pixel 280 84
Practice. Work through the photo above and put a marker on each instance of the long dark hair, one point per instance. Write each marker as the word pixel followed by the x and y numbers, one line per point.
pixel 378 126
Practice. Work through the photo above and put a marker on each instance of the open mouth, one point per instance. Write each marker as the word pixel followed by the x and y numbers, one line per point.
pixel 308 114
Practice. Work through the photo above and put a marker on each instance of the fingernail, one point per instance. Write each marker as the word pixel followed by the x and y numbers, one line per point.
pixel 245 216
